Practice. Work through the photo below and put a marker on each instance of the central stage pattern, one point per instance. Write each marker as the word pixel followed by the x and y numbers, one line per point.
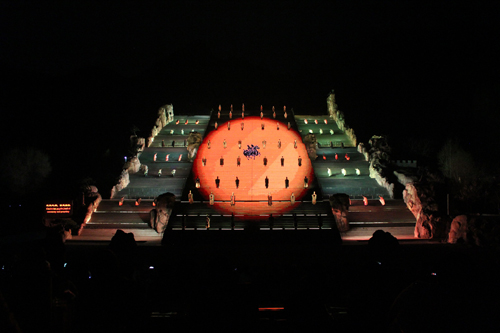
pixel 276 166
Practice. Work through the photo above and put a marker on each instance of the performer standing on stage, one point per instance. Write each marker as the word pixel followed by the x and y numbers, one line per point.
pixel 314 197
pixel 269 199
pixel 190 197
pixel 237 182
pixel 279 143
pixel 233 199
pixel 292 198
pixel 221 161
pixel 282 161
pixel 266 182
pixel 217 182
pixel 287 182
pixel 300 161
pixel 238 161
pixel 265 161
pixel 212 198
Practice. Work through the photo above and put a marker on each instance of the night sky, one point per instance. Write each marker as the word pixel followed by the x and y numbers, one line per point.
pixel 76 76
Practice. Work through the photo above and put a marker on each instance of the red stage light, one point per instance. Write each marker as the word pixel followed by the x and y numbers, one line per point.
pixel 251 196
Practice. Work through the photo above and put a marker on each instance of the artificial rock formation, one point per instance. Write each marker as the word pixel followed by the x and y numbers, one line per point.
pixel 160 215
pixel 136 145
pixel 362 149
pixel 123 182
pixel 429 223
pixel 338 117
pixel 458 229
pixel 379 161
pixel 340 207
pixel 133 166
pixel 92 199
pixel 165 116
pixel 194 142
pixel 311 144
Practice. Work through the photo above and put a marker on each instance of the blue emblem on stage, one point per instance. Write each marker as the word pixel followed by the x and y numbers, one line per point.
pixel 251 152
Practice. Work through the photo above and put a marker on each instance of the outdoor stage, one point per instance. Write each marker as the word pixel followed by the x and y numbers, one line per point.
pixel 251 196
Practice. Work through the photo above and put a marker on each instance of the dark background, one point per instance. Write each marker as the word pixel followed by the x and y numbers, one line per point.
pixel 76 77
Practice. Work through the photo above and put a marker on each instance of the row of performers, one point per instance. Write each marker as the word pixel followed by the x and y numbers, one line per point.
pixel 264 144
pixel 237 182
pixel 211 198
pixel 238 161
pixel 285 114
pixel 242 126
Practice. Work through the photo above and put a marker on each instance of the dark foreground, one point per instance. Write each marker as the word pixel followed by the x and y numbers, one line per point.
pixel 302 281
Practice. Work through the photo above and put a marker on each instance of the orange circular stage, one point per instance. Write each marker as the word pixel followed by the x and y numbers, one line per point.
pixel 251 196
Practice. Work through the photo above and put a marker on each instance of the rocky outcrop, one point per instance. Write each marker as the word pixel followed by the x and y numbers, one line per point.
pixel 458 229
pixel 338 117
pixel 123 182
pixel 136 145
pixel 340 203
pixel 311 144
pixel 92 199
pixel 193 143
pixel 130 167
pixel 133 166
pixel 362 149
pixel 420 201
pixel 405 178
pixel 165 116
pixel 160 215
pixel 379 162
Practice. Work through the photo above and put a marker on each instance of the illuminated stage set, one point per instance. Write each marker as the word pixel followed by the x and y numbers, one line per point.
pixel 253 166
pixel 231 168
